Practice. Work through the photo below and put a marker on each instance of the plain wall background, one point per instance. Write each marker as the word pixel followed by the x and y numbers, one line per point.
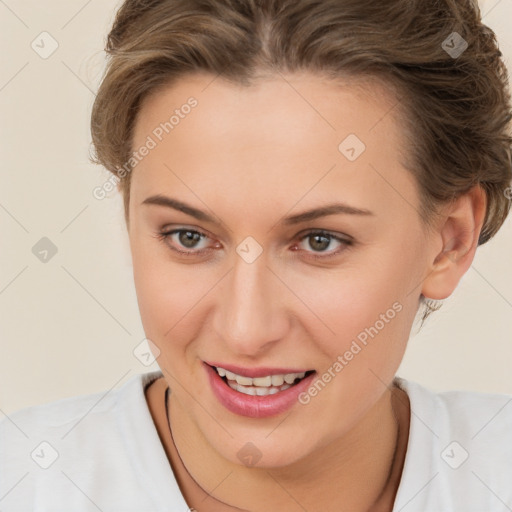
pixel 69 326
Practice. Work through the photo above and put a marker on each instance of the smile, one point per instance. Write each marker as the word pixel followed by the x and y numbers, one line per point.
pixel 258 393
pixel 260 386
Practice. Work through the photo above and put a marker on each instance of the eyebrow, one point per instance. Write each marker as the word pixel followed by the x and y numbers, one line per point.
pixel 315 213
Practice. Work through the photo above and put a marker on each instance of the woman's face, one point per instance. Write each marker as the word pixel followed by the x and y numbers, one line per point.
pixel 247 284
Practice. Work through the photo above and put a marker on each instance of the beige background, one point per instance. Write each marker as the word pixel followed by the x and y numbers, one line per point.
pixel 70 326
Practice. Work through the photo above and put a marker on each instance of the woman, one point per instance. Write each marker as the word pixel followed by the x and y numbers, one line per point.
pixel 300 179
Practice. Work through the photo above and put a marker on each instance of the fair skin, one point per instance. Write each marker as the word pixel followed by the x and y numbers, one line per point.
pixel 249 157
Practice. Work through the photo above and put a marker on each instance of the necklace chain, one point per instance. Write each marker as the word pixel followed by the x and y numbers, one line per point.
pixel 390 473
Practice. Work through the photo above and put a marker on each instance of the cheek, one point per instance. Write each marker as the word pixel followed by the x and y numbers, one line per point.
pixel 371 318
pixel 364 313
pixel 165 294
pixel 365 322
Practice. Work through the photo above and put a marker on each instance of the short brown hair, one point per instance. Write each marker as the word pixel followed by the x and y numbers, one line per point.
pixel 455 109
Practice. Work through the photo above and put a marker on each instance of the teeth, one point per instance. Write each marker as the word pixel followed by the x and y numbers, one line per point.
pixel 257 391
pixel 289 378
pixel 262 391
pixel 265 382
pixel 229 375
pixel 277 380
pixel 245 381
pixel 260 386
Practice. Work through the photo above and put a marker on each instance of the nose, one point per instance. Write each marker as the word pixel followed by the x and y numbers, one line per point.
pixel 250 315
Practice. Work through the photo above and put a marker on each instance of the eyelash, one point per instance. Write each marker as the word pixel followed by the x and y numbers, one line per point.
pixel 164 235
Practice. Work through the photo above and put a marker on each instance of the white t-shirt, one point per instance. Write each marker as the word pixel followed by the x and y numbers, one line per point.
pixel 101 452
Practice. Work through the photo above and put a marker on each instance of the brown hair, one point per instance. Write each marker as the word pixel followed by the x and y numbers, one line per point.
pixel 455 107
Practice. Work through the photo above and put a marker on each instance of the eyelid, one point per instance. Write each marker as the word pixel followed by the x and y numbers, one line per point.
pixel 301 234
pixel 346 241
pixel 334 234
pixel 165 234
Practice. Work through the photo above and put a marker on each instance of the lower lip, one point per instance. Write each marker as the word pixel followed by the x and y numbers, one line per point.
pixel 255 406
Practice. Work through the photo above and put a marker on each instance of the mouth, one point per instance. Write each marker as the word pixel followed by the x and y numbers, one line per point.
pixel 260 392
pixel 261 386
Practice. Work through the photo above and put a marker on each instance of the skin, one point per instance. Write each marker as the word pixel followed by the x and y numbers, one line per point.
pixel 249 157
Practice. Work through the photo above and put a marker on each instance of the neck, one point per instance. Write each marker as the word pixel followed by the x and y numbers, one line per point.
pixel 366 465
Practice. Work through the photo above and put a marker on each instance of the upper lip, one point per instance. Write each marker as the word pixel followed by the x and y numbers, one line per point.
pixel 260 371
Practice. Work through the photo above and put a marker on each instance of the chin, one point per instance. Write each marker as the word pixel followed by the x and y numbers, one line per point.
pixel 262 451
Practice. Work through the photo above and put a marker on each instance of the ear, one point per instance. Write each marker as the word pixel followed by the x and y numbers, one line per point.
pixel 458 233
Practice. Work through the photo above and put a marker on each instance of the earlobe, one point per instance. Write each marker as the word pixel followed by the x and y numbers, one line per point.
pixel 459 232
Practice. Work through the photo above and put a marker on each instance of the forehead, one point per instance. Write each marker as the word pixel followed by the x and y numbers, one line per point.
pixel 285 106
pixel 281 134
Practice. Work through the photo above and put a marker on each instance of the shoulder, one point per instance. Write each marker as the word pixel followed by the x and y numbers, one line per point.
pixel 46 449
pixel 460 448
pixel 60 415
pixel 467 414
pixel 83 412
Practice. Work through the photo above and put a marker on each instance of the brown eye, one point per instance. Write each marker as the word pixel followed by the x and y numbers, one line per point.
pixel 186 239
pixel 319 241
